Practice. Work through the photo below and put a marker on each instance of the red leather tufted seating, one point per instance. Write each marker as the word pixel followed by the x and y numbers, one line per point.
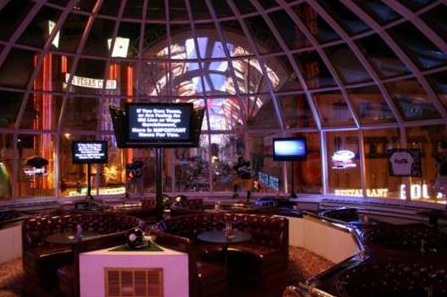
pixel 41 259
pixel 394 278
pixel 146 211
pixel 68 275
pixel 205 279
pixel 415 237
pixel 261 261
pixel 187 206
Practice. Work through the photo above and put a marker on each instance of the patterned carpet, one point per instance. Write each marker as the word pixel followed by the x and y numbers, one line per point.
pixel 303 265
pixel 11 278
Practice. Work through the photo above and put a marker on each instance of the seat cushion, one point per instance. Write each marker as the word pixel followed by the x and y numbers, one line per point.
pixel 212 279
pixel 67 278
pixel 41 264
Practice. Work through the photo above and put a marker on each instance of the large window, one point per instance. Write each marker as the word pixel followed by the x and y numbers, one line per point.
pixel 363 93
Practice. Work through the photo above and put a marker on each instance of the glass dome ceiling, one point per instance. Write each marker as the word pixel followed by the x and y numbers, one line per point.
pixel 376 61
pixel 276 66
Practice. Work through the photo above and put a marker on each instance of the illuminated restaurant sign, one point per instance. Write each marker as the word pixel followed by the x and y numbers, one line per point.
pixel 92 83
pixel 382 192
pixel 416 192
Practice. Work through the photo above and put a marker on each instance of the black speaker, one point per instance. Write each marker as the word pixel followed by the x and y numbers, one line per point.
pixel 197 119
pixel 119 123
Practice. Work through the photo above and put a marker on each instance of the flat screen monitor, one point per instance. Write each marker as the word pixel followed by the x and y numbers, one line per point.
pixel 160 124
pixel 89 152
pixel 289 149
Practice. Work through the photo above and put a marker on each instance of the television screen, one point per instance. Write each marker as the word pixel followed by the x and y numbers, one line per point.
pixel 89 152
pixel 289 149
pixel 160 124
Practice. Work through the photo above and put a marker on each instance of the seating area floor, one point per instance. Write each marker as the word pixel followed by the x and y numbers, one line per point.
pixel 303 264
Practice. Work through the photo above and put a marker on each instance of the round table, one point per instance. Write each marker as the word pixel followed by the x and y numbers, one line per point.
pixel 221 236
pixel 69 237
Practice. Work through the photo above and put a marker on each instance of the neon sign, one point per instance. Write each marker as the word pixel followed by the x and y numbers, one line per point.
pixel 343 159
pixel 35 171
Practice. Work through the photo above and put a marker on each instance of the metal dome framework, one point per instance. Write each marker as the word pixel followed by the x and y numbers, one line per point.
pixel 325 69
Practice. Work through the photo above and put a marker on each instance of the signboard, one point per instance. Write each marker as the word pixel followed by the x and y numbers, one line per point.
pixel 91 83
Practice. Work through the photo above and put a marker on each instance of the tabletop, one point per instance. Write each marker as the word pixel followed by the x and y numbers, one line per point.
pixel 69 237
pixel 220 236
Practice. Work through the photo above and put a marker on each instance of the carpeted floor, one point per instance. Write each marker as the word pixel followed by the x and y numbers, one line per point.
pixel 303 265
pixel 11 278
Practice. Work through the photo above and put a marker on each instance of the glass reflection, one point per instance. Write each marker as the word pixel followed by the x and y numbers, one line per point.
pixel 370 105
pixel 333 109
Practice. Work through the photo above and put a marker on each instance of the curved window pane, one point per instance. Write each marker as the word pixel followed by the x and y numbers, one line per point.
pixel 315 24
pixel 436 20
pixel 381 12
pixel 382 58
pixel 347 64
pixel 17 68
pixel 345 17
pixel 333 110
pixel 412 101
pixel 10 102
pixel 415 4
pixel 439 82
pixel 370 105
pixel 296 112
pixel 314 71
pixel 419 46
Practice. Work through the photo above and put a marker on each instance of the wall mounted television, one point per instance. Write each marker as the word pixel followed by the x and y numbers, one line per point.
pixel 289 148
pixel 89 152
